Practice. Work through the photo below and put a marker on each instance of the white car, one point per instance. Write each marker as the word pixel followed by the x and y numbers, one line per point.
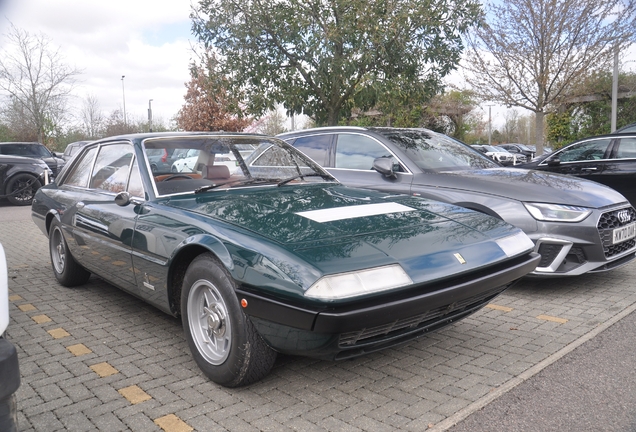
pixel 186 162
pixel 498 154
pixel 9 369
pixel 190 163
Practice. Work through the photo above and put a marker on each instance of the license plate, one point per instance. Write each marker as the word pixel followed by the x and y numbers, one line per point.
pixel 624 233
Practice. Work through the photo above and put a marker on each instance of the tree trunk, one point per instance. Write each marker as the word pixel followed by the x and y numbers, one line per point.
pixel 333 116
pixel 538 125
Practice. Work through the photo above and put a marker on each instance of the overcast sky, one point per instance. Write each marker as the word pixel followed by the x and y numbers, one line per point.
pixel 147 41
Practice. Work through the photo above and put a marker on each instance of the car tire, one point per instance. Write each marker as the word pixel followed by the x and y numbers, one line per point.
pixel 66 270
pixel 22 188
pixel 223 340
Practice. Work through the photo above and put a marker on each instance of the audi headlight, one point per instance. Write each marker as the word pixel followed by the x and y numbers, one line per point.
pixel 352 284
pixel 557 212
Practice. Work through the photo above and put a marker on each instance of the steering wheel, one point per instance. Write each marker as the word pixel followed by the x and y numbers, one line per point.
pixel 174 176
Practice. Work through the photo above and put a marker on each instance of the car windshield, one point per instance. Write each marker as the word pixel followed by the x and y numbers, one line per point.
pixel 495 149
pixel 204 163
pixel 431 151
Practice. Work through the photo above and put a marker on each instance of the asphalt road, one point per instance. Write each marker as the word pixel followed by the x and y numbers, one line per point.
pixel 593 388
pixel 551 355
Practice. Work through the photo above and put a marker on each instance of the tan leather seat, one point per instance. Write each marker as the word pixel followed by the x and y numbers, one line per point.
pixel 215 172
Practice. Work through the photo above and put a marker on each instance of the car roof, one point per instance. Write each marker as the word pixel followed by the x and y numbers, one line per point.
pixel 626 129
pixel 21 143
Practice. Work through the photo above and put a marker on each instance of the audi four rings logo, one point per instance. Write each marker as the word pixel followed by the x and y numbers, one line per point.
pixel 624 216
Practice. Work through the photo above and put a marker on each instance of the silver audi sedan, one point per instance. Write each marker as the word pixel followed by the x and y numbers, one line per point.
pixel 578 226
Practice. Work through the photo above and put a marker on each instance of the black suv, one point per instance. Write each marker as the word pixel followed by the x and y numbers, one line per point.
pixel 21 177
pixel 33 150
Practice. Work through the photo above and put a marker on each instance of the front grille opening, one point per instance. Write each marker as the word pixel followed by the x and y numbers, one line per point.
pixel 548 253
pixel 610 221
pixel 427 319
pixel 572 260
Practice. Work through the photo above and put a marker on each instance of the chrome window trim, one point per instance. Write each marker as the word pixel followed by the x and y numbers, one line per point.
pixel 556 153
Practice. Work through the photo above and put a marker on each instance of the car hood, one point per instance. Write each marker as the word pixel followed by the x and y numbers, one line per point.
pixel 339 229
pixel 525 185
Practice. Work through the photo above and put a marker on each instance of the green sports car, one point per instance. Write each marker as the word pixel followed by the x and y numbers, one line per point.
pixel 271 256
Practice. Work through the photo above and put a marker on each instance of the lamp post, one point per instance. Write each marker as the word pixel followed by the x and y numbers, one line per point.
pixel 150 115
pixel 123 92
pixel 489 126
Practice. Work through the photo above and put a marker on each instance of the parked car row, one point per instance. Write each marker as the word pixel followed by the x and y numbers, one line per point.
pixel 328 242
pixel 501 155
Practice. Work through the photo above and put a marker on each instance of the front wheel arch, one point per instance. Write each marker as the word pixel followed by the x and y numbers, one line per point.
pixel 182 259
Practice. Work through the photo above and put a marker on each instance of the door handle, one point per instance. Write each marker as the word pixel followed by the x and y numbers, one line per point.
pixel 589 169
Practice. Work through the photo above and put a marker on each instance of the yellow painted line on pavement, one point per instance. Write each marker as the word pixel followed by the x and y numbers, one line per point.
pixel 498 307
pixel 79 350
pixel 553 319
pixel 58 333
pixel 41 319
pixel 104 369
pixel 172 423
pixel 134 394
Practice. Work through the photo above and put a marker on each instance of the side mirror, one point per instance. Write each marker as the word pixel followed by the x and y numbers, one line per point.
pixel 384 166
pixel 554 161
pixel 122 199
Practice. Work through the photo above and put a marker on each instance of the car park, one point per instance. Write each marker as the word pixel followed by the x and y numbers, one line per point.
pixel 519 149
pixel 21 177
pixel 161 160
pixel 33 150
pixel 500 155
pixel 9 365
pixel 577 226
pixel 608 159
pixel 275 257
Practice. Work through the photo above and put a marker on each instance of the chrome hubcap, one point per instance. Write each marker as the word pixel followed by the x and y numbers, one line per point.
pixel 209 322
pixel 58 251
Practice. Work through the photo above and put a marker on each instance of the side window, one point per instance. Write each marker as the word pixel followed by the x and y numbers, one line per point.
pixel 316 147
pixel 82 170
pixel 135 187
pixel 588 150
pixel 40 151
pixel 276 157
pixel 359 152
pixel 112 168
pixel 626 149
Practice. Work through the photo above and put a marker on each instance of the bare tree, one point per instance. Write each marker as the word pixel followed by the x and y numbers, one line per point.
pixel 92 116
pixel 511 126
pixel 530 53
pixel 36 80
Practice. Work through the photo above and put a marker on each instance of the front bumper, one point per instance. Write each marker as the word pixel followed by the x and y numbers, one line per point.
pixel 585 247
pixel 357 328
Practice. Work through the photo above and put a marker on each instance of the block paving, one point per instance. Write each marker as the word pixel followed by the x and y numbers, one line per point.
pixel 94 358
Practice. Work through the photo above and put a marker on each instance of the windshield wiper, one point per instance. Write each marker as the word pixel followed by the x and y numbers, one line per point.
pixel 302 176
pixel 237 182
